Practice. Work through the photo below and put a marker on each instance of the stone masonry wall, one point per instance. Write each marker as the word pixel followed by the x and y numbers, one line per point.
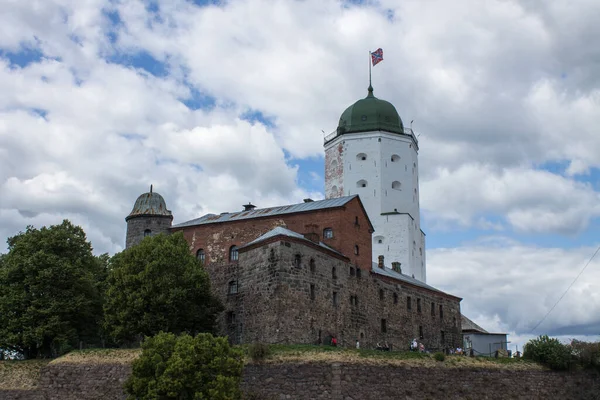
pixel 137 225
pixel 336 382
pixel 280 301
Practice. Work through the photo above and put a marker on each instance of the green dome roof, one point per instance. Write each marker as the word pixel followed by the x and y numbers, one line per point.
pixel 149 204
pixel 370 114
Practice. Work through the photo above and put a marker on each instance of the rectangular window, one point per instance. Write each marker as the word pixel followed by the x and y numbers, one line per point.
pixel 383 325
pixel 334 298
pixel 233 287
pixel 443 335
pixel 432 309
pixel 381 294
pixel 231 318
pixel 420 332
pixel 418 305
pixel 351 271
pixel 358 272
pixel 327 233
pixel 409 303
pixel 395 298
pixel 441 312
pixel 312 291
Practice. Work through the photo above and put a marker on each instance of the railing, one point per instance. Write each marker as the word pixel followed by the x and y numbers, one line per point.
pixel 407 131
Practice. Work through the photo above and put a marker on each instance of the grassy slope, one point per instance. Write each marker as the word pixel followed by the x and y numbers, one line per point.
pixel 22 375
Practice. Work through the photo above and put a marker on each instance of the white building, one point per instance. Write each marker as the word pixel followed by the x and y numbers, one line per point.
pixel 373 155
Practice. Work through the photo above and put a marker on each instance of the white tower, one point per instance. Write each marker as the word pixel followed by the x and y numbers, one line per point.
pixel 371 154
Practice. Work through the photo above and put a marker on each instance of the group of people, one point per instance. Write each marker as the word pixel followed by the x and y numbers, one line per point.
pixel 416 346
pixel 384 347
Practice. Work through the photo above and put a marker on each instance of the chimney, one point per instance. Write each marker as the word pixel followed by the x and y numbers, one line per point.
pixel 312 236
pixel 308 200
pixel 249 207
pixel 380 263
pixel 396 266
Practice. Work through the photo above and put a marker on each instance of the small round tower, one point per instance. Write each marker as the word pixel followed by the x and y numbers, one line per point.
pixel 148 217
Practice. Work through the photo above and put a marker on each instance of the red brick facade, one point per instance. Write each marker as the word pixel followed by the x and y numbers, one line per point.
pixel 349 223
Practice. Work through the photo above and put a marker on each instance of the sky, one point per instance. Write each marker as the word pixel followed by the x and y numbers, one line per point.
pixel 217 103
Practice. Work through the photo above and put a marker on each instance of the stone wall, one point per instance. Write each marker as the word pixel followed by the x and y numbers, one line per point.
pixel 336 382
pixel 277 300
pixel 366 382
pixel 138 224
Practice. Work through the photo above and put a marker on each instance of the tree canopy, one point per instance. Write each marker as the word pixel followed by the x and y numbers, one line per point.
pixel 49 291
pixel 157 286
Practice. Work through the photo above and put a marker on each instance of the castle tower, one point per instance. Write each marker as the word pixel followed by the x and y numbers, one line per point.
pixel 373 155
pixel 148 217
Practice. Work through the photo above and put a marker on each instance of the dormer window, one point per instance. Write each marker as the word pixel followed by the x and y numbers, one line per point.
pixel 361 157
pixel 361 184
pixel 233 253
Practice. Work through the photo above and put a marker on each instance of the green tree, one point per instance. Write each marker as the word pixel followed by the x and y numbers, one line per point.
pixel 158 286
pixel 548 351
pixel 49 297
pixel 185 367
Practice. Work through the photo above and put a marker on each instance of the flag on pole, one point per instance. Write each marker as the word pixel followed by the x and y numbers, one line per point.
pixel 377 56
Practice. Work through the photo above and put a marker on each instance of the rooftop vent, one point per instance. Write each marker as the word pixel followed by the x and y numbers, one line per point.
pixel 396 266
pixel 308 200
pixel 249 207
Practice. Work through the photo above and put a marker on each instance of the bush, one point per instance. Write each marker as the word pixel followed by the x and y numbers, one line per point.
pixel 439 356
pixel 548 351
pixel 259 351
pixel 185 367
pixel 587 354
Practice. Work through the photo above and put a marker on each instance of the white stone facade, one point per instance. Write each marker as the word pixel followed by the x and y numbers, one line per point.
pixel 382 168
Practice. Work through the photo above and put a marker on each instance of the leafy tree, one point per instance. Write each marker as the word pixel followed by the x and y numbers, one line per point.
pixel 158 286
pixel 203 367
pixel 49 297
pixel 549 351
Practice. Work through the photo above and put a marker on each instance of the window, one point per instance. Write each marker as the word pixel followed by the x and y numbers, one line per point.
pixel 147 232
pixel 361 184
pixel 420 332
pixel 312 265
pixel 354 300
pixel 355 220
pixel 356 250
pixel 441 312
pixel 327 233
pixel 409 303
pixel 231 318
pixel 378 239
pixel 443 336
pixel 454 321
pixel 333 273
pixel 418 305
pixel 432 309
pixel 383 325
pixel 396 185
pixel 233 287
pixel 200 255
pixel 395 158
pixel 233 253
pixel 358 272
pixel 334 299
pixel 395 298
pixel 381 294
pixel 297 260
pixel 361 157
pixel 351 271
pixel 312 291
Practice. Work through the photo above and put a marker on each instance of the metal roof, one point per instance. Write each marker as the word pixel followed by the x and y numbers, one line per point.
pixel 150 203
pixel 468 325
pixel 268 212
pixel 280 230
pixel 401 277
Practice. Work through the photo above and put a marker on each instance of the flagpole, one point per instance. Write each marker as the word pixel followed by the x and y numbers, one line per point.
pixel 370 69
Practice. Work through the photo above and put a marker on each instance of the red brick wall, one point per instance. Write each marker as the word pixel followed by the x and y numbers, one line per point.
pixel 217 238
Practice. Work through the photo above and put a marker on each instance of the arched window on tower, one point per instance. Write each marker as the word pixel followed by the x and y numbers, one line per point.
pixel 396 185
pixel 200 255
pixel 395 158
pixel 233 253
pixel 361 183
pixel 361 157
pixel 147 232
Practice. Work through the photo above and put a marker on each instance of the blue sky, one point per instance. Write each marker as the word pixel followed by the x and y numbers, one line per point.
pixel 220 105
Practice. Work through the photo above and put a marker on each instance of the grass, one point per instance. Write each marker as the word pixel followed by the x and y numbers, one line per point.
pixel 99 356
pixel 20 375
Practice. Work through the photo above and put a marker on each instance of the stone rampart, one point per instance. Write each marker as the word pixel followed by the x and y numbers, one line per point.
pixel 336 381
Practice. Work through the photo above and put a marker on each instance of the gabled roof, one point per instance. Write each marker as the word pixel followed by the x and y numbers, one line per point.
pixel 281 231
pixel 390 273
pixel 468 325
pixel 268 212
